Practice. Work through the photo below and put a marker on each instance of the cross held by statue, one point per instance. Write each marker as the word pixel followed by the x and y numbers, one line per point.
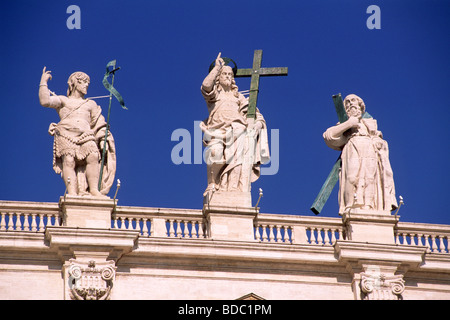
pixel 255 72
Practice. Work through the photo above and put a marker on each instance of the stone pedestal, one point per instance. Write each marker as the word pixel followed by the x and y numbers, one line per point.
pixel 86 212
pixel 229 223
pixel 370 226
pixel 229 199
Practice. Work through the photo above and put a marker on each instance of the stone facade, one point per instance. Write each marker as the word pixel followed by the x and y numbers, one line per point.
pixel 83 248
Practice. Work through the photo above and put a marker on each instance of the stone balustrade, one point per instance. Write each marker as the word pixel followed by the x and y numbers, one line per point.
pixel 298 229
pixel 28 216
pixel 159 222
pixel 433 236
pixel 190 223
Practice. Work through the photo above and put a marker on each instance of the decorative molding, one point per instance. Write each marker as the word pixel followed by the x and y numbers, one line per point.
pixel 89 281
pixel 379 286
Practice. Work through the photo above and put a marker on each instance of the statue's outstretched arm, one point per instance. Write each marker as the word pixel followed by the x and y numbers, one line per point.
pixel 44 93
pixel 208 83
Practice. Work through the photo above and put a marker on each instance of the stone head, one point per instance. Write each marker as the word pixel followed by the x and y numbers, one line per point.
pixel 226 76
pixel 354 106
pixel 78 81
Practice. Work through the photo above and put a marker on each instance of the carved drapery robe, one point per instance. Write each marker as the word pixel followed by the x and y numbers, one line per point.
pixel 225 133
pixel 366 177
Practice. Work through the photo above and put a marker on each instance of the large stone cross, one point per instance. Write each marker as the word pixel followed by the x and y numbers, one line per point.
pixel 255 73
pixel 333 176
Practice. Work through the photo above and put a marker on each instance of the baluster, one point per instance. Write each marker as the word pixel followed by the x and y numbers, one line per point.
pixel 327 236
pixel 317 235
pixel 26 223
pixel 333 236
pixel 2 222
pixel 433 243
pixel 40 225
pixel 314 237
pixel 18 223
pixel 397 239
pixel 177 227
pixel 8 224
pixel 171 228
pixel 145 231
pixel 340 234
pixel 122 223
pixel 183 230
pixel 49 220
pixel 270 232
pixel 274 235
pixel 261 232
pixel 278 233
pixel 411 239
pixel 187 233
pixel 285 237
pixel 321 236
pixel 441 244
pixel 56 222
pixel 257 232
pixel 401 238
pixel 427 243
pixel 33 222
pixel 420 238
pixel 114 222
pixel 192 233
pixel 266 236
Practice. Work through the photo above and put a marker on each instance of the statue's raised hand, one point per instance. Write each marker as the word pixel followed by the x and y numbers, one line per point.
pixel 219 61
pixel 45 76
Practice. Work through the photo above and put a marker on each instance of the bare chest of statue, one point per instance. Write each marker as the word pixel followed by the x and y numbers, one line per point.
pixel 76 113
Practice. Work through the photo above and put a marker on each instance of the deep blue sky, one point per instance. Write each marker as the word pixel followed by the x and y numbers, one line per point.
pixel 164 48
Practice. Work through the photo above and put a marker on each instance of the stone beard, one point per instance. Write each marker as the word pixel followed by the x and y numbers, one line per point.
pixel 366 178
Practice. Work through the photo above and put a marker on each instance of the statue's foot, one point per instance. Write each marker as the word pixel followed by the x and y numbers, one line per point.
pixel 98 194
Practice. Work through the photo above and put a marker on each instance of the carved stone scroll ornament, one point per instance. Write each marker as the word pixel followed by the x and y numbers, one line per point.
pixel 91 282
pixel 381 287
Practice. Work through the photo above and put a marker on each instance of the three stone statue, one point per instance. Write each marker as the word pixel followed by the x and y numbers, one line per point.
pixel 366 177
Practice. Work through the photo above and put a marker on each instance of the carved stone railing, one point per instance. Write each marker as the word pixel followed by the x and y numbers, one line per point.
pixel 433 236
pixel 184 223
pixel 158 222
pixel 28 216
pixel 298 229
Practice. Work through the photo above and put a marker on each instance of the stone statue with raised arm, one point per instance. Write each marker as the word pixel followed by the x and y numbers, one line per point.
pixel 366 179
pixel 79 137
pixel 225 133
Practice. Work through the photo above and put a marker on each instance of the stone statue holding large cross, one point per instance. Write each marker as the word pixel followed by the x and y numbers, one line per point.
pixel 366 179
pixel 235 133
pixel 225 132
